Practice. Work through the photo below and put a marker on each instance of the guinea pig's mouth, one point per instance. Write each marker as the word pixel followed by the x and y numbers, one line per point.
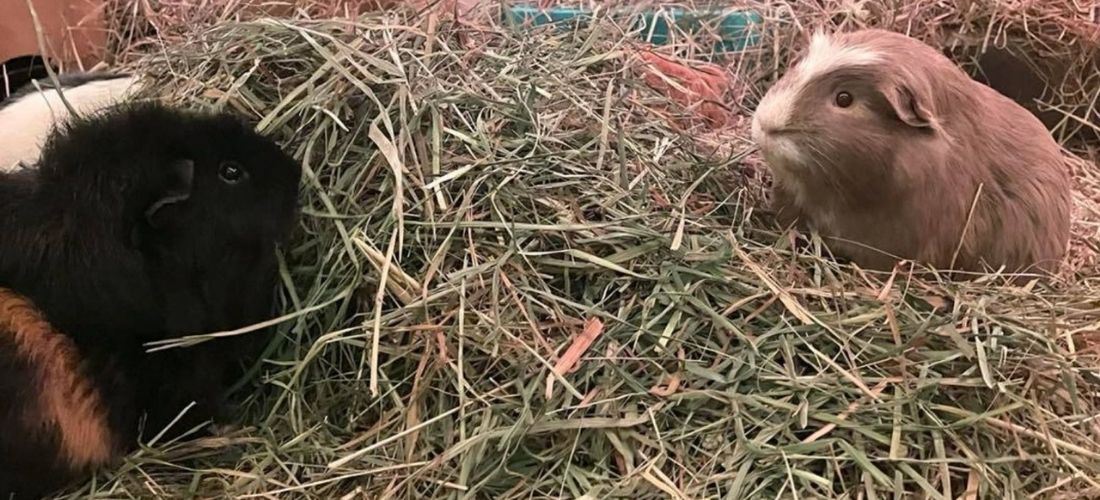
pixel 760 133
pixel 780 132
pixel 779 146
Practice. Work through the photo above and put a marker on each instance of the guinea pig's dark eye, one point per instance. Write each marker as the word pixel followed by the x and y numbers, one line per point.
pixel 843 99
pixel 231 172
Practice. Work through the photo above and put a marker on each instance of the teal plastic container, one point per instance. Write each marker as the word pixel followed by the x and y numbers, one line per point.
pixel 739 29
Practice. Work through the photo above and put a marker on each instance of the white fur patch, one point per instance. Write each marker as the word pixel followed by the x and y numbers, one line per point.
pixel 25 123
pixel 826 53
pixel 782 153
pixel 778 150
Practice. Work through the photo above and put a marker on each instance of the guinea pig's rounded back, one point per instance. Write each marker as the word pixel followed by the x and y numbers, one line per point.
pixel 30 115
pixel 233 172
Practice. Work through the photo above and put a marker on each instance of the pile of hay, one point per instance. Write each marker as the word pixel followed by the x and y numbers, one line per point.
pixel 523 272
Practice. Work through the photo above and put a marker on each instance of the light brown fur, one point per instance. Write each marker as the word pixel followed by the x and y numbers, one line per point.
pixel 67 402
pixel 897 174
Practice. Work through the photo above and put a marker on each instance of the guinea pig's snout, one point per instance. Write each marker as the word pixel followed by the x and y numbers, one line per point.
pixel 770 135
pixel 771 115
pixel 764 123
pixel 757 130
pixel 764 132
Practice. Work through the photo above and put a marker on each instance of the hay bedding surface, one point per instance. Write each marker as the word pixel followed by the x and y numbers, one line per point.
pixel 521 273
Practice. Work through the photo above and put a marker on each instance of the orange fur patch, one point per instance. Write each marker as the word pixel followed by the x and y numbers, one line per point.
pixel 65 399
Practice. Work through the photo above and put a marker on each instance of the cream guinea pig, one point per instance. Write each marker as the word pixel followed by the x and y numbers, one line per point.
pixel 29 115
pixel 890 151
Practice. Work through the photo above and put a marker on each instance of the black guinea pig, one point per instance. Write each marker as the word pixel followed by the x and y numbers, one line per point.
pixel 144 222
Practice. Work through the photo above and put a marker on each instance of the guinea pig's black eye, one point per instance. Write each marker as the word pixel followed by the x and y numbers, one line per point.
pixel 231 172
pixel 843 99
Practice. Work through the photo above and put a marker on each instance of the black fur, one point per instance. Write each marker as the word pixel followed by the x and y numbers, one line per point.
pixel 119 243
pixel 18 72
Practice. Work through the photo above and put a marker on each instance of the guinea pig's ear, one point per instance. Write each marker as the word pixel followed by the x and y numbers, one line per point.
pixel 177 187
pixel 910 106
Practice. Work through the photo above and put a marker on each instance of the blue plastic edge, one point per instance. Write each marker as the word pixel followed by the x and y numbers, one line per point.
pixel 735 26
